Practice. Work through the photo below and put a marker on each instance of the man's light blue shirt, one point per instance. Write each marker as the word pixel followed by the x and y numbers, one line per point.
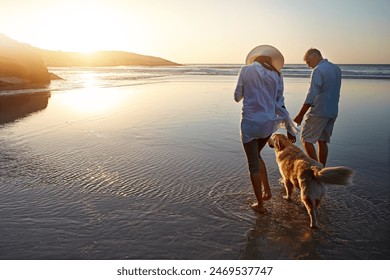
pixel 324 91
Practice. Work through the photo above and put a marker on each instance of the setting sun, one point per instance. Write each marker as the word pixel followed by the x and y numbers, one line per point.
pixel 82 28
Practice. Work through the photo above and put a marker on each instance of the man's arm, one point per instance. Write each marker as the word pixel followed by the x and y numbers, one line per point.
pixel 315 83
pixel 299 118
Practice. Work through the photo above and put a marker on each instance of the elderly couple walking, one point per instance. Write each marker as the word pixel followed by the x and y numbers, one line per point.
pixel 260 87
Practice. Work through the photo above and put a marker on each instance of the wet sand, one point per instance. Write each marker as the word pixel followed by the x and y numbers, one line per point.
pixel 157 171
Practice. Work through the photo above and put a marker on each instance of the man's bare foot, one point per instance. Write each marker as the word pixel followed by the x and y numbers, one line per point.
pixel 258 208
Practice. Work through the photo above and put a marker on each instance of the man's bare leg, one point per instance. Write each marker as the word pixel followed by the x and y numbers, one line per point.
pixel 310 150
pixel 323 152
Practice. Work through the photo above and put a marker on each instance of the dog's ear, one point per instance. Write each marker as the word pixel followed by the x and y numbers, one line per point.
pixel 271 143
pixel 279 144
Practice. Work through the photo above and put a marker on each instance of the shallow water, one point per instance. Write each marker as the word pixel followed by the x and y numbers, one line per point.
pixel 157 171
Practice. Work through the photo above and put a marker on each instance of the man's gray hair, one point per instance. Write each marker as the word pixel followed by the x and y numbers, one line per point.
pixel 310 52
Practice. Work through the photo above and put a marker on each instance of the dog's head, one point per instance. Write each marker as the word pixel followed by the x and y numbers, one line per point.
pixel 278 142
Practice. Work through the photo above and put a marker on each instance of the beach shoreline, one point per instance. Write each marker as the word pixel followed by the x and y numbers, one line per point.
pixel 157 171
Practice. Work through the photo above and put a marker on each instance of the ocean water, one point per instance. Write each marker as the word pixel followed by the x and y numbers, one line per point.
pixel 146 163
pixel 87 77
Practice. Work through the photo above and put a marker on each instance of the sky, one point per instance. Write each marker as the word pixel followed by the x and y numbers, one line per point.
pixel 205 31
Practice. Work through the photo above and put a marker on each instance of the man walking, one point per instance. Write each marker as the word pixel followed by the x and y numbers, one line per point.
pixel 321 105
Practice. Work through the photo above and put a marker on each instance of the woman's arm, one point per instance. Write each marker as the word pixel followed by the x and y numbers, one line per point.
pixel 239 91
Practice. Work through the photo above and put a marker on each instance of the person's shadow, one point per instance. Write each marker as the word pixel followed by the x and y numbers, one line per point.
pixel 14 107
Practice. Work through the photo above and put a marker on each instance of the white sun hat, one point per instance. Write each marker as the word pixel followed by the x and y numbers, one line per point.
pixel 266 50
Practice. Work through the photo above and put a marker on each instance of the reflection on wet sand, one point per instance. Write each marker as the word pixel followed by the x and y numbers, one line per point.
pixel 160 173
pixel 13 107
pixel 267 240
pixel 283 233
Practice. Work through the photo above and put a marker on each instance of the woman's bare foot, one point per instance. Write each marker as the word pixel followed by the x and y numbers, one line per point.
pixel 266 194
pixel 258 208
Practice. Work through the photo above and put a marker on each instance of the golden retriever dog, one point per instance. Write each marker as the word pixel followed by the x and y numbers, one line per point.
pixel 300 171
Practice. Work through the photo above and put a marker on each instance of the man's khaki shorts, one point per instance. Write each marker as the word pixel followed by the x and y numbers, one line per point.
pixel 317 129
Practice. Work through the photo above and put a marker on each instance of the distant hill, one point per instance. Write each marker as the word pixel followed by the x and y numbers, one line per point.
pixel 100 58
pixel 23 66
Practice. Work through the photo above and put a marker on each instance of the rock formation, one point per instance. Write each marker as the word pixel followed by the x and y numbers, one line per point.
pixel 20 65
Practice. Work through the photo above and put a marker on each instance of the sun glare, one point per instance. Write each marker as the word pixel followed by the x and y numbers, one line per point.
pixel 81 27
pixel 91 101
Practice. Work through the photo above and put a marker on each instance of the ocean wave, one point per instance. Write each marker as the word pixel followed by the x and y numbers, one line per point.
pixel 101 77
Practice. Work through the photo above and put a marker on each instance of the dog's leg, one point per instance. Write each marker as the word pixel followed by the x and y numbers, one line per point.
pixel 289 189
pixel 311 210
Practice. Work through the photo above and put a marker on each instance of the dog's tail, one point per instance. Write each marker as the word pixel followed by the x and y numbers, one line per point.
pixel 339 175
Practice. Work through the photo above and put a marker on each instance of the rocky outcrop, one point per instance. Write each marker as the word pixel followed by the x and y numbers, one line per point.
pixel 20 65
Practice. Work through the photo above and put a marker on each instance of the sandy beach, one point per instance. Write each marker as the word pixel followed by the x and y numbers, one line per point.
pixel 157 171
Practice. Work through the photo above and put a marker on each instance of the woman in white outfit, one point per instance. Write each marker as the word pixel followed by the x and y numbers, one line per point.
pixel 260 86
